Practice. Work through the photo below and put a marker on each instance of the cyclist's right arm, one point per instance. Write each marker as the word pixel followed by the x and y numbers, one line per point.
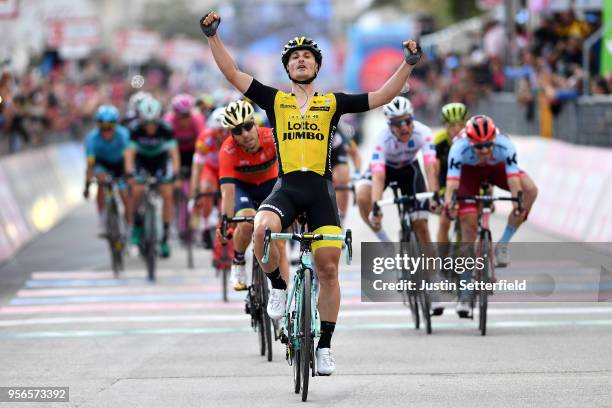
pixel 227 65
pixel 91 156
pixel 453 175
pixel 228 192
pixel 377 167
pixel 227 177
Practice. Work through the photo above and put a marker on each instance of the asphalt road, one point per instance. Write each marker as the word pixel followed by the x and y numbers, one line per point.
pixel 64 321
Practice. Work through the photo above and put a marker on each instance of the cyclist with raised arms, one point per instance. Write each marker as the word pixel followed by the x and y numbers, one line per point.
pixel 304 123
pixel 247 173
pixel 483 154
pixel 454 116
pixel 104 147
pixel 152 152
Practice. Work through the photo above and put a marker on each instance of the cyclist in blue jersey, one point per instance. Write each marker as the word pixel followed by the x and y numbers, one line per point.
pixel 104 147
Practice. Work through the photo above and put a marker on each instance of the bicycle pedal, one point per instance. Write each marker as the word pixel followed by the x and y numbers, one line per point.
pixel 284 339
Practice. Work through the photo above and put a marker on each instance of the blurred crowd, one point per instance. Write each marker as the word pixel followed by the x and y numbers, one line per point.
pixel 547 60
pixel 55 100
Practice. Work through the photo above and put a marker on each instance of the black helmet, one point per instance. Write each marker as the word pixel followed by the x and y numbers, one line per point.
pixel 301 43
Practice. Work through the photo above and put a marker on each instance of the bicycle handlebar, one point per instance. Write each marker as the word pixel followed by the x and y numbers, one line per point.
pixel 226 221
pixel 402 200
pixel 347 237
pixel 488 198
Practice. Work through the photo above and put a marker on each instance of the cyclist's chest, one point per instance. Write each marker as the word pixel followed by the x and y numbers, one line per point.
pixel 313 126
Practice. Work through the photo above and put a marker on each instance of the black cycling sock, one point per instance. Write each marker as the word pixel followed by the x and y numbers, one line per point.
pixel 277 280
pixel 166 230
pixel 327 330
pixel 238 257
pixel 138 219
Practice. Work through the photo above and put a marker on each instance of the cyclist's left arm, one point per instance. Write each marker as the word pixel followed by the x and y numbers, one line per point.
pixel 512 169
pixel 429 159
pixel 392 87
pixel 355 155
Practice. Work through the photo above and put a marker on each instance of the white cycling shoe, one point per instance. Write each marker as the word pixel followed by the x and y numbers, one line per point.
pixel 502 255
pixel 277 302
pixel 325 361
pixel 464 310
pixel 238 277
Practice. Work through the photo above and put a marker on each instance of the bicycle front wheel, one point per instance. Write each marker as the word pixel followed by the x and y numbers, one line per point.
pixel 267 322
pixel 485 277
pixel 306 333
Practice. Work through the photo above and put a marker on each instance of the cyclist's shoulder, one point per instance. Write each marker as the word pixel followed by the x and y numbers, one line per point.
pixel 441 136
pixel 92 135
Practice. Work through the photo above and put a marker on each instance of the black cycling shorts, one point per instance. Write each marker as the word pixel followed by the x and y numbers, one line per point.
pixel 306 192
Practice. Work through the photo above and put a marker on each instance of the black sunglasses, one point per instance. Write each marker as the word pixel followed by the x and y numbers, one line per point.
pixel 106 125
pixel 400 122
pixel 480 146
pixel 237 131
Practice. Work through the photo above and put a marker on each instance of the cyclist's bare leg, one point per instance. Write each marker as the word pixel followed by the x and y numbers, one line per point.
pixel 364 202
pixel 341 176
pixel 326 261
pixel 443 228
pixel 244 231
pixel 127 207
pixel 530 193
pixel 266 220
pixel 100 196
pixel 469 227
pixel 207 186
pixel 283 261
pixel 137 193
pixel 166 191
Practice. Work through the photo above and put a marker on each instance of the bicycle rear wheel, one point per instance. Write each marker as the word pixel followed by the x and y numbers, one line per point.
pixel 306 333
pixel 485 274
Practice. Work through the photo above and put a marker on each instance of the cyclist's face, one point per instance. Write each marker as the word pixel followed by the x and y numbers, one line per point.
pixel 107 130
pixel 483 151
pixel 402 127
pixel 247 139
pixel 184 119
pixel 150 127
pixel 453 128
pixel 302 64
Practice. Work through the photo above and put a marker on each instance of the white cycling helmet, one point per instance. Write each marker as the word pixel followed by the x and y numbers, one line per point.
pixel 236 113
pixel 215 120
pixel 150 110
pixel 399 106
pixel 136 99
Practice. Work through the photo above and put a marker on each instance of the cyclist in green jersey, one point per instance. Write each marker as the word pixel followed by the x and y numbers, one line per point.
pixel 454 116
pixel 304 123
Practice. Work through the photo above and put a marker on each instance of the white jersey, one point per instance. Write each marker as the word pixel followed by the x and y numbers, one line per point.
pixel 389 151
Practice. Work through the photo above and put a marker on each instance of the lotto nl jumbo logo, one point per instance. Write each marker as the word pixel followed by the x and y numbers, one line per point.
pixel 299 130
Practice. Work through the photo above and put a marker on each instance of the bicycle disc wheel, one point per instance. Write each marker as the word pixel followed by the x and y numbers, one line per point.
pixel 483 295
pixel 306 338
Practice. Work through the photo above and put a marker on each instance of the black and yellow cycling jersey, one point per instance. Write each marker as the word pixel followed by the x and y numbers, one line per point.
pixel 443 142
pixel 304 142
